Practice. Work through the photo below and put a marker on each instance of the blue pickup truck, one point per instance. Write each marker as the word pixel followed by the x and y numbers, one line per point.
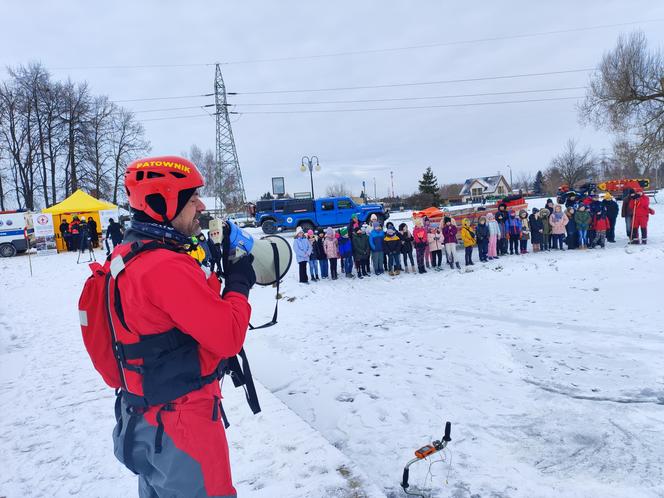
pixel 288 214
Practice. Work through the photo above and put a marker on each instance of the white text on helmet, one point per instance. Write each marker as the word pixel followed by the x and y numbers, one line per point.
pixel 165 164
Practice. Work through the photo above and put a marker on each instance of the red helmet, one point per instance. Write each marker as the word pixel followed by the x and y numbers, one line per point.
pixel 159 186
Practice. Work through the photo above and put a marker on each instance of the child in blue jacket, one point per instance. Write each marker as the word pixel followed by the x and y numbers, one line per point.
pixel 302 249
pixel 346 252
pixel 376 238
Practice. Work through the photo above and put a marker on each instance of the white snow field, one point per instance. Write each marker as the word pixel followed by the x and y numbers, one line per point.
pixel 549 366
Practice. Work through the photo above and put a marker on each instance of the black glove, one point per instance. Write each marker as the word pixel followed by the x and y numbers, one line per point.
pixel 240 276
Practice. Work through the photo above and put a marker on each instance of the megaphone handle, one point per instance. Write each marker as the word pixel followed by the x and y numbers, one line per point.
pixel 225 249
pixel 275 254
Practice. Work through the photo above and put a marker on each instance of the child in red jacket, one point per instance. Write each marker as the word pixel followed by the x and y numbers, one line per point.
pixel 639 203
pixel 420 242
pixel 600 225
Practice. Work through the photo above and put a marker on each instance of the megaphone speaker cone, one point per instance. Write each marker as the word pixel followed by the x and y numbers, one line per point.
pixel 265 250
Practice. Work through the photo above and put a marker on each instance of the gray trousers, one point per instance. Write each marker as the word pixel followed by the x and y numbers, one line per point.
pixel 170 473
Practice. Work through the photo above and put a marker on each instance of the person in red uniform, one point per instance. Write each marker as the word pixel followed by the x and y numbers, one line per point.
pixel 174 330
pixel 639 204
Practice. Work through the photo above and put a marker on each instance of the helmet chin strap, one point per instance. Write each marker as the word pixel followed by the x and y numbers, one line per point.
pixel 157 230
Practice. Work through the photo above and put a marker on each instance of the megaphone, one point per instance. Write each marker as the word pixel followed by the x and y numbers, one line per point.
pixel 272 254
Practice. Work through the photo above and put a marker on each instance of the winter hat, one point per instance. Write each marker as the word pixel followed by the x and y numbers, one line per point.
pixel 373 217
pixel 418 222
pixel 465 222
pixel 390 225
pixel 298 230
pixel 375 225
pixel 329 232
pixel 535 210
pixel 343 231
pixel 353 216
pixel 447 219
pixel 310 233
pixel 490 217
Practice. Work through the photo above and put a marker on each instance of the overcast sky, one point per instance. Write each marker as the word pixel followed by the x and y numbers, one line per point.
pixel 457 142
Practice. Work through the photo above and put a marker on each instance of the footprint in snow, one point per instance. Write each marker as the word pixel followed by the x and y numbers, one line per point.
pixel 345 398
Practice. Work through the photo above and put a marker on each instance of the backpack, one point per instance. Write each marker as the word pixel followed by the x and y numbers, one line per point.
pixel 97 335
pixel 109 357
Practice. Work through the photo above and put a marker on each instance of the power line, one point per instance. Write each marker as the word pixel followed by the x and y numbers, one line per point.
pixel 165 98
pixel 469 104
pixel 442 44
pixel 365 51
pixel 174 108
pixel 188 116
pixel 321 102
pixel 394 85
pixel 485 78
pixel 166 109
pixel 130 66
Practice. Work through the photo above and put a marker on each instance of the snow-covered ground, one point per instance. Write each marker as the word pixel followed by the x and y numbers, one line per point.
pixel 549 367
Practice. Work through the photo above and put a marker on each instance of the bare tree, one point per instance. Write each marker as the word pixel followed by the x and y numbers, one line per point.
pixel 2 183
pixel 19 141
pixel 571 166
pixel 626 94
pixel 338 189
pixel 449 191
pixel 207 165
pixel 630 160
pixel 127 141
pixel 76 100
pixel 96 170
pixel 55 137
pixel 524 181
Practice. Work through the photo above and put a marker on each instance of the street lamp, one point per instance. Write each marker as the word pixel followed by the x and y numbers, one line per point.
pixel 309 163
pixel 511 186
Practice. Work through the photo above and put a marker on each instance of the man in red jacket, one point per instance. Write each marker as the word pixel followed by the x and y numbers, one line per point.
pixel 174 330
pixel 639 204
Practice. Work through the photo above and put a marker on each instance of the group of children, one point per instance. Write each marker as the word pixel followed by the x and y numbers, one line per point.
pixel 589 223
pixel 355 247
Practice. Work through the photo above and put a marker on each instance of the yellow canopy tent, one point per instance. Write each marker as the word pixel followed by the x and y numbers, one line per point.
pixel 80 204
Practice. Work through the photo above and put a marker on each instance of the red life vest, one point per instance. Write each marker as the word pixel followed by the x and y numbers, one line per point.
pixel 149 369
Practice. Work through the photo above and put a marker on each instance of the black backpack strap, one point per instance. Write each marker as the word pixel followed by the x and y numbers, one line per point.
pixel 275 253
pixel 241 376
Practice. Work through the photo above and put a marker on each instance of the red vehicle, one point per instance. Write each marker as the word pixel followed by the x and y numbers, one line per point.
pixel 435 215
pixel 617 186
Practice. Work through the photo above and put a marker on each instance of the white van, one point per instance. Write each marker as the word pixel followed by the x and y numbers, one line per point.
pixel 13 226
